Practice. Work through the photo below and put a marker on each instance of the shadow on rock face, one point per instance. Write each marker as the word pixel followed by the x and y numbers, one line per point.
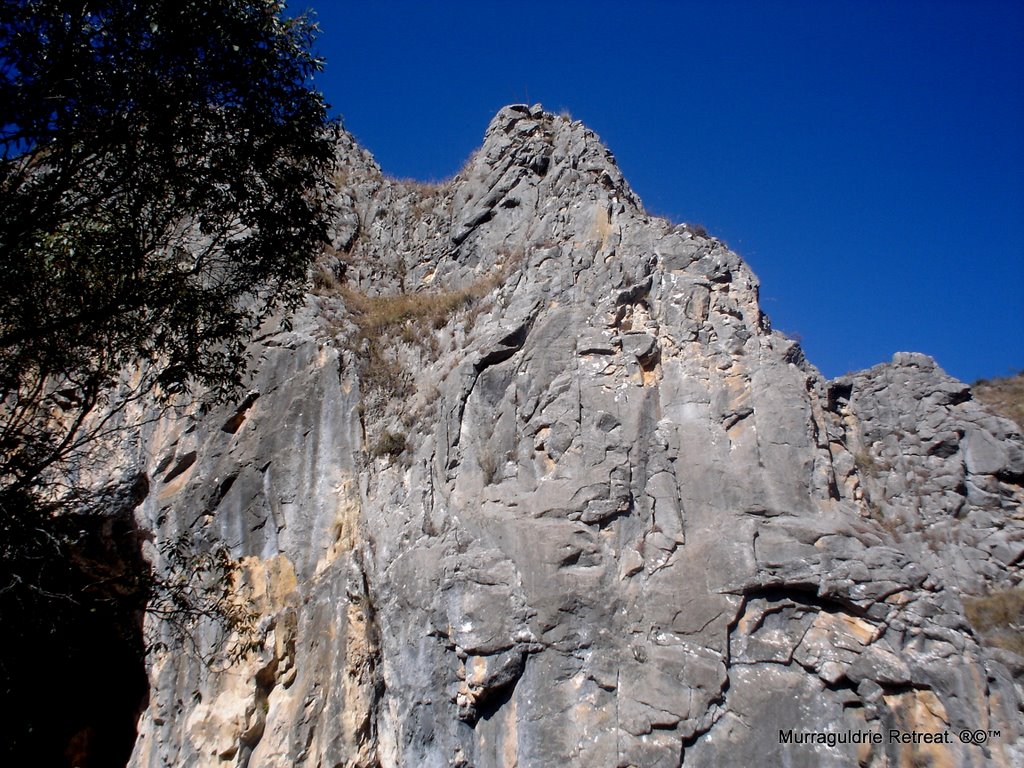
pixel 71 644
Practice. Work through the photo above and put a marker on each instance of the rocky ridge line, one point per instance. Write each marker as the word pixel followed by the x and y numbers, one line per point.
pixel 533 482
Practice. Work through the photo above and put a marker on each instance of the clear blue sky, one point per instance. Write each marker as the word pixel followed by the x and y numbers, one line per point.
pixel 866 158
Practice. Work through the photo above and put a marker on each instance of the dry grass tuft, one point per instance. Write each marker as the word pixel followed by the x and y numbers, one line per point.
pixel 999 618
pixel 391 444
pixel 412 318
pixel 866 463
pixel 325 281
pixel 381 315
pixel 1004 395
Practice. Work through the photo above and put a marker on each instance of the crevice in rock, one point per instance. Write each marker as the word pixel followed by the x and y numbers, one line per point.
pixel 489 706
pixel 489 701
pixel 468 228
pixel 368 729
pixel 716 708
pixel 508 345
pixel 266 679
pixel 734 418
pixel 804 595
pixel 183 464
pixel 838 394
pixel 234 423
pixel 222 490
pixel 899 689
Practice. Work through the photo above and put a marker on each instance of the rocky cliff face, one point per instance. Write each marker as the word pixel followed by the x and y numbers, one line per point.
pixel 532 482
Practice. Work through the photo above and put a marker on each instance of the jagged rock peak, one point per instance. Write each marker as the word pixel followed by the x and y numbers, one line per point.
pixel 518 136
pixel 545 143
pixel 541 186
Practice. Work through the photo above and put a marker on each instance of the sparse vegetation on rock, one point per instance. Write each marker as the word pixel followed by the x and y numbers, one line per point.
pixel 1004 395
pixel 999 618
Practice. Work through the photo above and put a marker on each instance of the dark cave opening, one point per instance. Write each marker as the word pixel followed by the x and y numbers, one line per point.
pixel 72 651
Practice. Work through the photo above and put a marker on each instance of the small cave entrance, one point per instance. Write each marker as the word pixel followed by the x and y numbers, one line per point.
pixel 72 651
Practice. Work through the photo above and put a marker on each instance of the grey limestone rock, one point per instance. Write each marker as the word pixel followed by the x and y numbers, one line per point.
pixel 533 482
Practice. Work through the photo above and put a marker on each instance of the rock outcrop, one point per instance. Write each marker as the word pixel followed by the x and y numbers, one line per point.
pixel 531 481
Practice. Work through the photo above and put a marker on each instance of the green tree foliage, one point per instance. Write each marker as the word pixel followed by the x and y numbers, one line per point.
pixel 163 191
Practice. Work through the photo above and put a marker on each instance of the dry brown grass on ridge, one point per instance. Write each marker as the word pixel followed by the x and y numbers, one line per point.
pixel 378 315
pixel 411 317
pixel 1003 395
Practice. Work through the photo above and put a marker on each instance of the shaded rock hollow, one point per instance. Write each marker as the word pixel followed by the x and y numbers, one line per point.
pixel 531 481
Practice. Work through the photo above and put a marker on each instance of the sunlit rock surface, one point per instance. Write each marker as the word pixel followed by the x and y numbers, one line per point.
pixel 562 497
